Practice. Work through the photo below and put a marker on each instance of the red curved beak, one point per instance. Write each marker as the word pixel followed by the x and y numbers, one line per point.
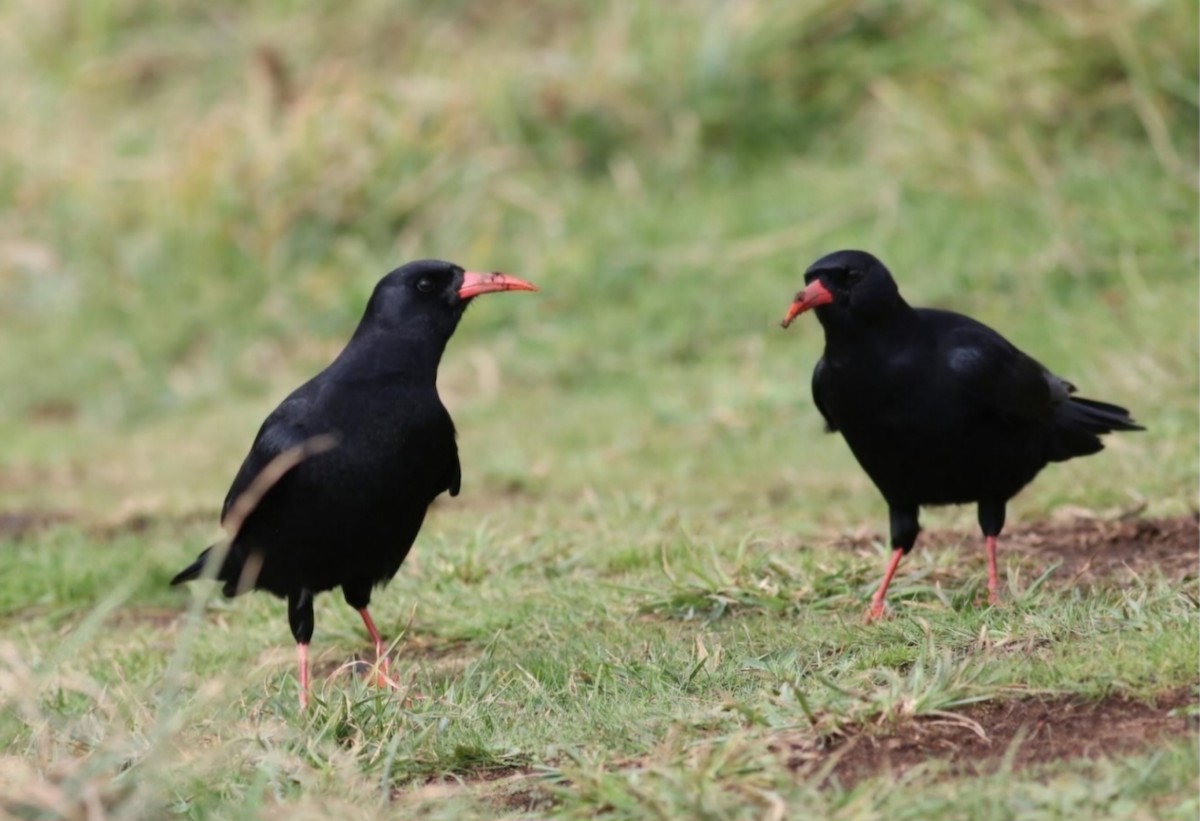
pixel 811 297
pixel 475 284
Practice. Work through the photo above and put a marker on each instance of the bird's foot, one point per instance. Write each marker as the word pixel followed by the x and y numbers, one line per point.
pixel 878 611
pixel 383 671
pixel 995 599
pixel 383 680
pixel 383 675
pixel 378 673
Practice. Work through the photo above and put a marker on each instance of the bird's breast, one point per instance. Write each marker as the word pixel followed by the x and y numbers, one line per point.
pixel 879 391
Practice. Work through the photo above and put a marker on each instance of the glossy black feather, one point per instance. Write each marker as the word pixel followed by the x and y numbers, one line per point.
pixel 937 407
pixel 347 516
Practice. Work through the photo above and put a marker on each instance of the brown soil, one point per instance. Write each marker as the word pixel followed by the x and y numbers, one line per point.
pixel 986 737
pixel 139 523
pixel 509 789
pixel 1087 549
pixel 435 652
pixel 18 524
pixel 151 616
pixel 980 739
pixel 432 648
pixel 1097 549
pixel 526 800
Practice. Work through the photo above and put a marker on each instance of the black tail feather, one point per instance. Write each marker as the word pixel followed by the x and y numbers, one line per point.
pixel 1080 423
pixel 229 572
pixel 1101 417
pixel 193 570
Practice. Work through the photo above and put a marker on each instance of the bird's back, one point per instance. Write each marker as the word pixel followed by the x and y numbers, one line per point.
pixel 905 399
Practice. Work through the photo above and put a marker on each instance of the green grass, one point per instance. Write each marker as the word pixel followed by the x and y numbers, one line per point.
pixel 634 594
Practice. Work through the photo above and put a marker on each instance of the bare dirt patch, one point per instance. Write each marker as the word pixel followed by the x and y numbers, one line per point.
pixel 978 740
pixel 525 800
pixel 15 525
pixel 1092 550
pixel 508 789
pixel 140 523
pixel 981 739
pixel 147 615
pixel 433 648
pixel 442 655
pixel 1088 550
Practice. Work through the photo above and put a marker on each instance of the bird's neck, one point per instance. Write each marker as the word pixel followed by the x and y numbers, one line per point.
pixel 409 354
pixel 847 333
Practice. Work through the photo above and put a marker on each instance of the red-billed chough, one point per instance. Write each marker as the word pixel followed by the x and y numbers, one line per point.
pixel 338 480
pixel 936 407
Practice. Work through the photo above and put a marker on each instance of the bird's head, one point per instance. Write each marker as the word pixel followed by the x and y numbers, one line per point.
pixel 434 294
pixel 846 286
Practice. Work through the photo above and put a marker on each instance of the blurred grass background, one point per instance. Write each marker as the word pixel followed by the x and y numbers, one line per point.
pixel 197 198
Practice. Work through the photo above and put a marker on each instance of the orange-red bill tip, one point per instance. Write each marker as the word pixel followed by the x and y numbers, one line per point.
pixel 815 295
pixel 475 283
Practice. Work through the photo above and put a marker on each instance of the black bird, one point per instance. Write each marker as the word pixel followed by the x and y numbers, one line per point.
pixel 338 480
pixel 937 408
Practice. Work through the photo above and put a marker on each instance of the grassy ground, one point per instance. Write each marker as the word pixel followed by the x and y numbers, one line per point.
pixel 637 594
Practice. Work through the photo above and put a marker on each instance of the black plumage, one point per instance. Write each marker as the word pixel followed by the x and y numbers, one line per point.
pixel 338 480
pixel 937 407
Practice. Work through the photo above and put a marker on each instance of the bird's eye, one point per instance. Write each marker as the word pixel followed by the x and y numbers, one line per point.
pixel 425 285
pixel 854 275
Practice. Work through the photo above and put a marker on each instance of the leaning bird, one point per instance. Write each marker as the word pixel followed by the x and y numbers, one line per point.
pixel 337 482
pixel 937 408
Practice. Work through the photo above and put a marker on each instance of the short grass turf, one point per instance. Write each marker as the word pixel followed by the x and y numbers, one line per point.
pixel 643 590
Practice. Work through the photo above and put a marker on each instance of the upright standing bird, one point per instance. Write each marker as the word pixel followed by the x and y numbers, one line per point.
pixel 936 407
pixel 338 480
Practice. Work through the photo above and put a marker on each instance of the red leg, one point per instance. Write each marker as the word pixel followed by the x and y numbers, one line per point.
pixel 380 649
pixel 877 601
pixel 993 576
pixel 375 637
pixel 302 653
